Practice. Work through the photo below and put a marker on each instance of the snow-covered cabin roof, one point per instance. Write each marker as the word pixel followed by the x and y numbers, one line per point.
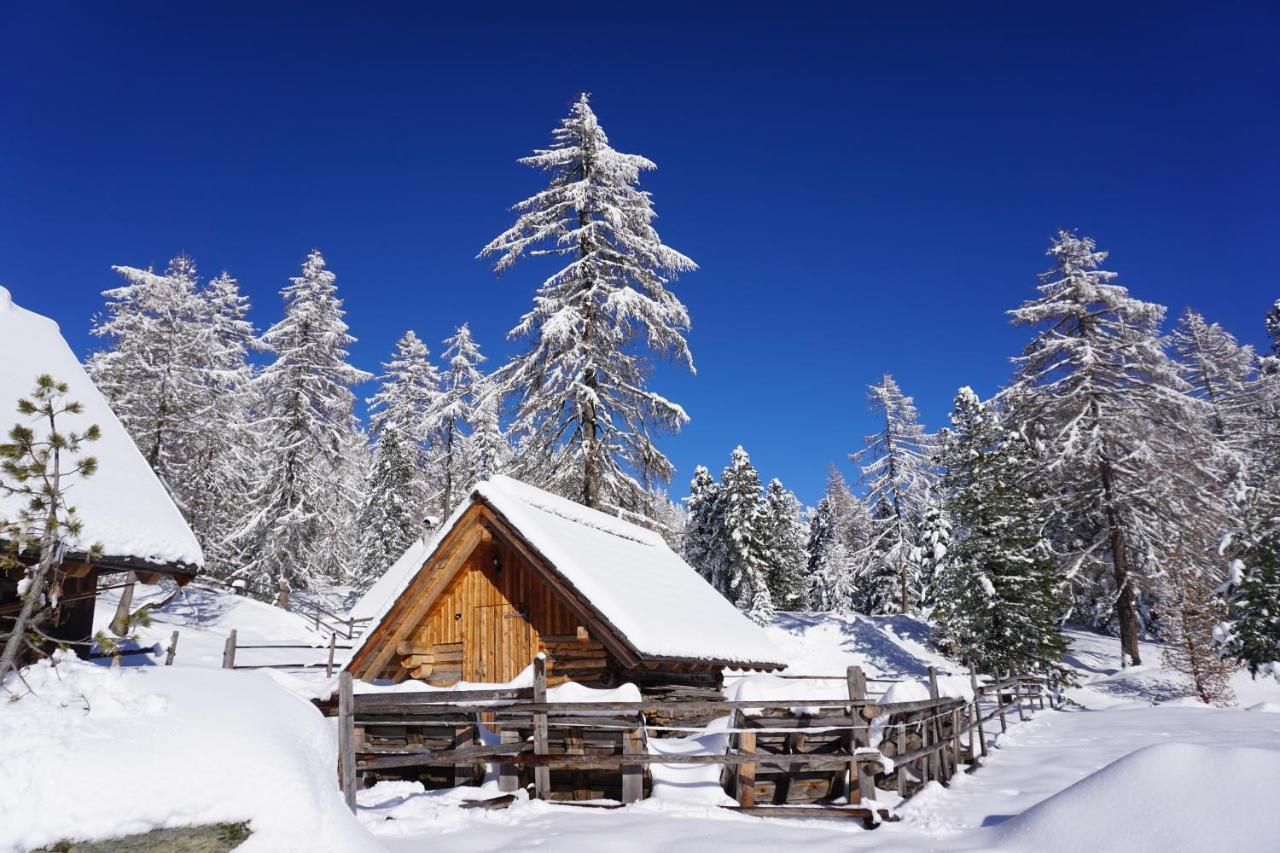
pixel 123 507
pixel 654 600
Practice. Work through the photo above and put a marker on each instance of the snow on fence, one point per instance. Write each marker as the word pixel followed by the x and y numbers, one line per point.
pixel 232 647
pixel 785 757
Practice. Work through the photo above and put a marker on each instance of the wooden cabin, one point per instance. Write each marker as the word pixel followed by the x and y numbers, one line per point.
pixel 124 507
pixel 517 572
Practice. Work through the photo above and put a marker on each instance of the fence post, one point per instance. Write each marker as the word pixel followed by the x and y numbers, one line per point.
pixel 346 740
pixel 173 649
pixel 955 739
pixel 632 774
pixel 229 651
pixel 1004 725
pixel 541 772
pixel 938 758
pixel 977 716
pixel 746 775
pixel 1017 695
pixel 508 773
pixel 328 667
pixel 861 779
pixel 900 768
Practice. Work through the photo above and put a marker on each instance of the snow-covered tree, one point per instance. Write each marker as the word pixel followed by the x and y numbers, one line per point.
pixel 489 449
pixel 152 372
pixel 830 565
pixel 1113 409
pixel 454 415
pixel 783 539
pixel 932 549
pixel 390 519
pixel 408 394
pixel 584 410
pixel 896 470
pixel 997 593
pixel 1250 633
pixel 742 570
pixel 301 526
pixel 409 389
pixel 1220 372
pixel 702 526
pixel 1273 326
pixel 218 454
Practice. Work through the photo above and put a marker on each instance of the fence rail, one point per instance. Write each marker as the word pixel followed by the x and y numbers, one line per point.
pixel 775 751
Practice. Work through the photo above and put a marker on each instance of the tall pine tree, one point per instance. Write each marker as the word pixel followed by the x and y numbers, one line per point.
pixel 584 410
pixel 783 539
pixel 310 482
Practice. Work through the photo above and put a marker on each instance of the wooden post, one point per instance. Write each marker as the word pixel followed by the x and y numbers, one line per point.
pixel 926 762
pixel 1004 725
pixel 956 756
pixel 508 773
pixel 173 649
pixel 633 774
pixel 746 772
pixel 1017 695
pixel 939 757
pixel 900 769
pixel 346 740
pixel 328 667
pixel 229 651
pixel 541 773
pixel 861 779
pixel 977 715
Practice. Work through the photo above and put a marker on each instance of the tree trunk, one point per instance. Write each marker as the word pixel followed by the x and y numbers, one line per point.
pixel 120 623
pixel 1126 611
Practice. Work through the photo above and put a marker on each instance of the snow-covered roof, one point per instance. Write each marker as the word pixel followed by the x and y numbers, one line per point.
pixel 123 507
pixel 654 600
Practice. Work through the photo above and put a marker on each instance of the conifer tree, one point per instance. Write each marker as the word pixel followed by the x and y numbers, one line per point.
pixel 932 550
pixel 702 527
pixel 783 538
pixel 897 474
pixel 301 528
pixel 1191 613
pixel 390 519
pixel 489 449
pixel 152 373
pixel 218 456
pixel 830 567
pixel 1220 372
pixel 1114 413
pixel 1250 633
pixel 998 593
pixel 407 396
pixel 454 415
pixel 742 571
pixel 40 463
pixel 584 410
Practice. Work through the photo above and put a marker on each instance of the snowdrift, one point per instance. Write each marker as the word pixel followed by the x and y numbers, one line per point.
pixel 98 752
pixel 1172 796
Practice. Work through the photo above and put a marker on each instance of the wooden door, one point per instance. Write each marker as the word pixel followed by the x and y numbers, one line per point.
pixel 500 645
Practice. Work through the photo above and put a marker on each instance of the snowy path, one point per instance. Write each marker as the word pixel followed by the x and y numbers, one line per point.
pixel 1037 759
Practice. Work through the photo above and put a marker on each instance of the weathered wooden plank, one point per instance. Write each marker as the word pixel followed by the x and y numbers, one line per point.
pixel 541 774
pixel 347 770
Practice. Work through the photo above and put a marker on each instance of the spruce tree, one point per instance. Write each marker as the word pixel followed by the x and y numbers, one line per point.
pixel 998 593
pixel 742 570
pixel 308 492
pixel 702 527
pixel 406 397
pixel 390 519
pixel 783 538
pixel 152 373
pixel 1250 633
pixel 489 449
pixel 584 411
pixel 932 550
pixel 454 415
pixel 896 470
pixel 830 566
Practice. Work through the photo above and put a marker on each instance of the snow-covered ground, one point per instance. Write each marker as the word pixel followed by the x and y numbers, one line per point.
pixel 188 745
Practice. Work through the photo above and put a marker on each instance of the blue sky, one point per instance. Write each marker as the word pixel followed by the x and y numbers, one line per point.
pixel 866 190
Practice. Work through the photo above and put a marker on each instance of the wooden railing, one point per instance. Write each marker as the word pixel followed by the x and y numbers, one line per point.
pixel 232 647
pixel 440 732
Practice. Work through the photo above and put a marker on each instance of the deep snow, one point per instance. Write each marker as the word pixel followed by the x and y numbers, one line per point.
pixel 200 745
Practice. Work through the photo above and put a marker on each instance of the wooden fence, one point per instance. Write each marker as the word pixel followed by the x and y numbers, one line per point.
pixel 232 647
pixel 786 757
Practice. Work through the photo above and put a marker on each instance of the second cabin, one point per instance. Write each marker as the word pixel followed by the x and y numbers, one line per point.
pixel 517 571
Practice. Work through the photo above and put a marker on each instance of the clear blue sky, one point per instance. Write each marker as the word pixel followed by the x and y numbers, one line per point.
pixel 865 190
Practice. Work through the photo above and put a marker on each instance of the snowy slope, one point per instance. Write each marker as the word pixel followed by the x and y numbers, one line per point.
pixel 123 507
